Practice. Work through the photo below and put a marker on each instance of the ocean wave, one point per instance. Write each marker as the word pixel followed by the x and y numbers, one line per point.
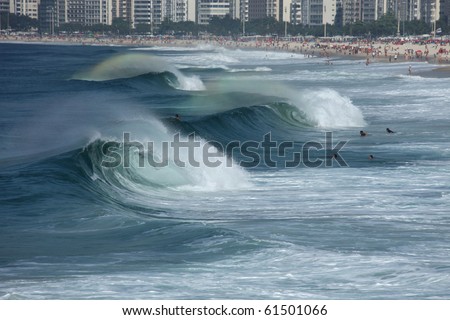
pixel 132 65
pixel 204 68
pixel 326 108
pixel 147 162
pixel 257 69
pixel 257 108
pixel 201 47
pixel 219 67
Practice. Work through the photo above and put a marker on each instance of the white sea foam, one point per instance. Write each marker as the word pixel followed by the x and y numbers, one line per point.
pixel 326 108
pixel 209 66
pixel 185 169
pixel 175 48
pixel 257 69
pixel 193 83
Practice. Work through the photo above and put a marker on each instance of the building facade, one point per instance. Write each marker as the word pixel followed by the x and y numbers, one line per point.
pixel 318 12
pixel 26 8
pixel 4 6
pixel 430 10
pixel 329 11
pixel 122 9
pixel 154 12
pixel 445 11
pixel 296 12
pixel 273 8
pixel 351 11
pixel 206 9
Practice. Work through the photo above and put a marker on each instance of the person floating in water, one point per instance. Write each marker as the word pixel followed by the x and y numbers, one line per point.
pixel 370 157
pixel 389 130
pixel 363 133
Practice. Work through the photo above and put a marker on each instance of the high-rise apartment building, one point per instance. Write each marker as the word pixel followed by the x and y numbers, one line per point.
pixel 404 10
pixel 122 9
pixel 257 9
pixel 430 10
pixel 445 10
pixel 237 9
pixel 206 9
pixel 146 12
pixel 351 11
pixel 153 12
pixel 286 10
pixel 329 11
pixel 25 7
pixel 369 10
pixel 318 12
pixel 4 6
pixel 177 11
pixel 296 12
pixel 88 12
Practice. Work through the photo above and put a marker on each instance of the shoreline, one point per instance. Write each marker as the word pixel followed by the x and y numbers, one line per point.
pixel 437 54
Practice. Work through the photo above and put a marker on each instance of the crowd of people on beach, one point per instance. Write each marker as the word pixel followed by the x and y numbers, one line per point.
pixel 386 49
pixel 432 51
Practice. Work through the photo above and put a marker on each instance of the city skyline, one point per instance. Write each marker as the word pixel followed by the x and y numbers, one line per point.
pixel 153 12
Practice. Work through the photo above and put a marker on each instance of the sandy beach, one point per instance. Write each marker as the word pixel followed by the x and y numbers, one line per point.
pixel 431 51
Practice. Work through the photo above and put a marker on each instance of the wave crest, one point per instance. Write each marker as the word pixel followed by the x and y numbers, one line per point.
pixel 136 171
pixel 326 108
pixel 132 65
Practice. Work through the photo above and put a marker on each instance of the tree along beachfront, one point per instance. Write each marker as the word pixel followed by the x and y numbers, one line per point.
pixel 387 25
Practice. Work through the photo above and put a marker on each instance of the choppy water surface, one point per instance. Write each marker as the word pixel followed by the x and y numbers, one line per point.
pixel 73 228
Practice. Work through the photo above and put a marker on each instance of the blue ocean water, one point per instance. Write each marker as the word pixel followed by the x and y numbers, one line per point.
pixel 73 228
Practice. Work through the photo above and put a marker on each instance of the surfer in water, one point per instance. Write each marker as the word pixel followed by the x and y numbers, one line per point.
pixel 177 117
pixel 389 130
pixel 362 133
